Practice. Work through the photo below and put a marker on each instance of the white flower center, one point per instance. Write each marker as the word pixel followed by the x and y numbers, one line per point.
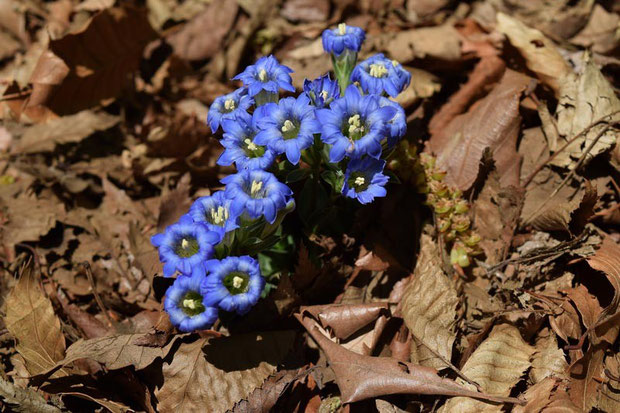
pixel 230 105
pixel 189 303
pixel 184 243
pixel 287 126
pixel 324 94
pixel 237 282
pixel 256 186
pixel 219 216
pixel 395 63
pixel 355 125
pixel 359 181
pixel 377 70
pixel 342 29
pixel 251 145
pixel 262 75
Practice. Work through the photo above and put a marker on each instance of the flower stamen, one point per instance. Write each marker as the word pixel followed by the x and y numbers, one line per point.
pixel 287 126
pixel 250 145
pixel 219 216
pixel 342 29
pixel 262 75
pixel 378 70
pixel 230 105
pixel 355 125
pixel 256 187
pixel 237 282
pixel 359 181
pixel 184 243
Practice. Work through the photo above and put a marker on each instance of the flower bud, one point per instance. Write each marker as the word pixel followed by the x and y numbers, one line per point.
pixel 450 236
pixel 461 206
pixel 458 256
pixel 437 174
pixel 428 161
pixel 443 206
pixel 439 188
pixel 443 224
pixel 461 223
pixel 456 193
pixel 471 240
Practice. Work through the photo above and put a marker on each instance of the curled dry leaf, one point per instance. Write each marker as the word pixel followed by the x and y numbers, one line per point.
pixel 82 68
pixel 31 320
pixel 492 124
pixel 548 359
pixel 585 98
pixel 609 394
pixel 24 400
pixel 213 374
pixel 67 129
pixel 428 307
pixel 497 366
pixel 345 319
pixel 361 377
pixel 541 55
pixel 549 395
pixel 601 33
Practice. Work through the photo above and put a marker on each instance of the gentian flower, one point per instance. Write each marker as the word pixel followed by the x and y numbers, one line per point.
pixel 228 107
pixel 215 212
pixel 240 145
pixel 397 126
pixel 185 245
pixel 343 38
pixel 378 74
pixel 322 91
pixel 266 74
pixel 186 304
pixel 354 125
pixel 234 284
pixel 364 180
pixel 256 192
pixel 288 126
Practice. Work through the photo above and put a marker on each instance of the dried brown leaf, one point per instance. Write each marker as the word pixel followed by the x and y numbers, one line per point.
pixel 429 306
pixel 264 398
pixel 497 366
pixel 601 33
pixel 492 124
pixel 24 400
pixel 607 260
pixel 437 42
pixel 30 318
pixel 92 64
pixel 193 42
pixel 548 359
pixel 174 203
pixel 362 377
pixel 550 396
pixel 305 10
pixel 345 319
pixel 541 55
pixel 585 97
pixel 213 375
pixel 609 394
pixel 67 129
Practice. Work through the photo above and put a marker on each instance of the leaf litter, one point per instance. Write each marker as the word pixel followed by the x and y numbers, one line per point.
pixel 104 142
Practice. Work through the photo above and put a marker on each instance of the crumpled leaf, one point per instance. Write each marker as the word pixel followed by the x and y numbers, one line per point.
pixel 541 55
pixel 549 395
pixel 82 68
pixel 362 377
pixel 67 129
pixel 585 98
pixel 601 34
pixel 548 359
pixel 607 260
pixel 609 394
pixel 429 306
pixel 497 366
pixel 305 10
pixel 30 318
pixel 212 375
pixel 345 319
pixel 193 42
pixel 491 124
pixel 24 400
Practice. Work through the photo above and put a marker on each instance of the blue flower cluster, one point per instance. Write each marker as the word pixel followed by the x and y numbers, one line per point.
pixel 332 126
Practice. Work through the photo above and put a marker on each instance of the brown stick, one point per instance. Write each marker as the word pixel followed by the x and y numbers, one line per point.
pixel 91 280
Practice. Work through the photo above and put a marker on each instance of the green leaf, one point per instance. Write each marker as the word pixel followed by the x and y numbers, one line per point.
pixel 297 175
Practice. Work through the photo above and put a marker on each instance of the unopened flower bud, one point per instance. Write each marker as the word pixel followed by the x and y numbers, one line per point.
pixel 456 193
pixel 458 256
pixel 437 174
pixel 428 161
pixel 450 236
pixel 471 240
pixel 443 206
pixel 461 223
pixel 443 224
pixel 438 188
pixel 461 206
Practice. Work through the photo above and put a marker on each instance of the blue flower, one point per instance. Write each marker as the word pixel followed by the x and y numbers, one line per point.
pixel 256 192
pixel 354 125
pixel 186 304
pixel 378 74
pixel 322 91
pixel 240 146
pixel 233 284
pixel 184 245
pixel 397 126
pixel 215 212
pixel 343 38
pixel 288 126
pixel 228 107
pixel 266 74
pixel 364 180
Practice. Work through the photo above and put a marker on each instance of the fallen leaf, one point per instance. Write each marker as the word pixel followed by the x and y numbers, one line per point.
pixel 601 33
pixel 541 55
pixel 305 10
pixel 192 42
pixel 82 68
pixel 30 318
pixel 607 260
pixel 429 306
pixel 586 97
pixel 423 85
pixel 497 366
pixel 548 359
pixel 174 203
pixel 24 400
pixel 609 394
pixel 362 377
pixel 492 124
pixel 214 374
pixel 67 129
pixel 345 319
pixel 550 396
